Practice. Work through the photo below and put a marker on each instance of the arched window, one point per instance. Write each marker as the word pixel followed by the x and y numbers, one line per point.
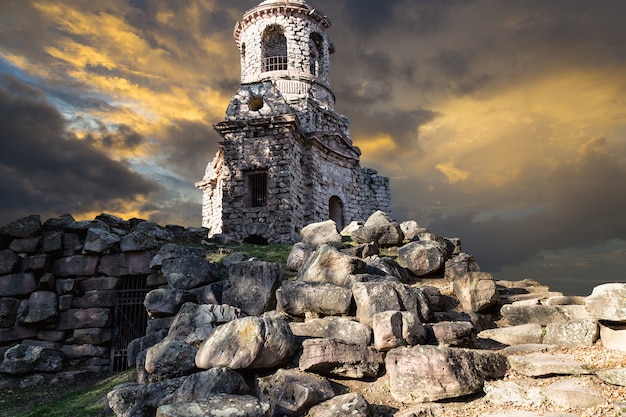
pixel 335 211
pixel 316 46
pixel 243 54
pixel 274 49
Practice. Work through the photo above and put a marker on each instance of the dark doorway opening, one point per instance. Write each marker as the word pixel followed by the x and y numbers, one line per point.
pixel 335 211
pixel 256 240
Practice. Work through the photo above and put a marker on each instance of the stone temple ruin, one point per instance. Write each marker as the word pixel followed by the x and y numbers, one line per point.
pixel 286 159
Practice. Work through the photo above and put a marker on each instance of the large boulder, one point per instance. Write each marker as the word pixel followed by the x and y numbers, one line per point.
pixel 333 357
pixel 608 302
pixel 146 236
pixel 173 250
pixel 386 266
pixel 377 297
pixel 22 228
pixel 100 241
pixel 23 359
pixel 298 298
pixel 338 328
pixel 217 405
pixel 476 291
pixel 164 302
pixel 379 228
pixel 578 333
pixel 292 392
pixel 189 272
pixel 251 286
pixel 195 322
pixel 330 266
pixel 170 359
pixel 423 257
pixel 133 399
pixel 299 255
pixel 316 234
pixel 248 343
pixel 427 373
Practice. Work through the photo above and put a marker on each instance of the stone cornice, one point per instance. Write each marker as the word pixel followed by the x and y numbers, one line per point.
pixel 280 8
pixel 286 120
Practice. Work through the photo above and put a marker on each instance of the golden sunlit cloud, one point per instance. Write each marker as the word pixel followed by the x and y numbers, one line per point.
pixel 453 174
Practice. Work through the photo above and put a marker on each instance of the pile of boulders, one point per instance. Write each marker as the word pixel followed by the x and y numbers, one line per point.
pixel 348 313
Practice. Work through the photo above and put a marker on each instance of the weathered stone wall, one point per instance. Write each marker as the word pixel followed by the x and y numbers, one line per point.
pixel 59 282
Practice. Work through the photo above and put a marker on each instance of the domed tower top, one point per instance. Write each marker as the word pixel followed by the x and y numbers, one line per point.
pixel 285 41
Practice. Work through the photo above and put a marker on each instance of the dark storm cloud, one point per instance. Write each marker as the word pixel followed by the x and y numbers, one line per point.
pixel 402 126
pixel 123 137
pixel 43 169
pixel 584 205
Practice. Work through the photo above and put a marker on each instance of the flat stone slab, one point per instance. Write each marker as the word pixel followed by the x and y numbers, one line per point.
pixel 220 405
pixel 510 392
pixel 515 335
pixel 613 376
pixel 543 364
pixel 528 414
pixel 572 393
pixel 528 348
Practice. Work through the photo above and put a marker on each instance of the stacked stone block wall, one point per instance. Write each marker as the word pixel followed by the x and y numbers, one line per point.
pixel 59 282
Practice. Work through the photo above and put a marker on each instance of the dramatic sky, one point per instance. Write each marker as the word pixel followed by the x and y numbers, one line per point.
pixel 499 122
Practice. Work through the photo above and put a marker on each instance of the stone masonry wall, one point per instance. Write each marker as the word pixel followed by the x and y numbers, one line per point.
pixel 59 282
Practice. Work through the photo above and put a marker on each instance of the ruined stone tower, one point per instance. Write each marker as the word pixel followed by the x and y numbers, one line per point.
pixel 286 159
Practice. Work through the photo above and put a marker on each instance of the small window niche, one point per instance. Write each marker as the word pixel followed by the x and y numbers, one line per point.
pixel 256 189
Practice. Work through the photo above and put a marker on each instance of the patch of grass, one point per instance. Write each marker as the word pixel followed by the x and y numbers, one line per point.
pixel 84 398
pixel 277 252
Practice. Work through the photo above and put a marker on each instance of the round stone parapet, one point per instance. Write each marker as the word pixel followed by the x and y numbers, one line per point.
pixel 280 7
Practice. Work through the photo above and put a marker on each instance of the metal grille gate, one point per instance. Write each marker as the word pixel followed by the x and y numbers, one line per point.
pixel 129 320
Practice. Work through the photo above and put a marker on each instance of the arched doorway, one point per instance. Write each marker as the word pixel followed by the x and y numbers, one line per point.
pixel 335 211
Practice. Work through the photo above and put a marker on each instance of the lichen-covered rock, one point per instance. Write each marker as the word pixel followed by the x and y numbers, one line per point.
pixel 146 236
pixel 164 302
pixel 248 343
pixel 476 291
pixel 515 335
pixel 218 405
pixel 330 266
pixel 251 286
pixel 298 298
pixel 189 272
pixel 195 322
pixel 99 241
pixel 577 333
pixel 22 360
pixel 397 328
pixel 379 228
pixel 170 359
pixel 22 228
pixel 316 234
pixel 338 328
pixel 423 257
pixel 292 392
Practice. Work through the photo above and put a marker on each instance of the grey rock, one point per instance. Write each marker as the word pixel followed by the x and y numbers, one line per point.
pixel 386 266
pixel 99 284
pixel 563 300
pixel 352 404
pixel 82 318
pixel 164 302
pixel 573 394
pixel 613 376
pixel 218 405
pixel 129 263
pixel 42 307
pixel 426 410
pixel 26 245
pixel 22 228
pixel 379 229
pixel 377 297
pixel 19 284
pixel 210 294
pixel 543 364
pixel 248 343
pixel 194 323
pixel 476 291
pixel 36 263
pixel 189 272
pixel 133 399
pixel 410 230
pixel 292 392
pixel 538 314
pixel 317 234
pixel 578 333
pixel 298 298
pixel 423 257
pixel 528 414
pixel 100 241
pixel 146 236
pixel 8 261
pixel 173 250
pixel 22 360
pixel 333 357
pixel 52 242
pixel 94 336
pixel 460 266
pixel 515 335
pixel 338 328
pixel 459 372
pixel 330 266
pixel 95 299
pixel 75 266
pixel 251 286
pixel 397 328
pixel 608 302
pixel 170 359
pixel 298 256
